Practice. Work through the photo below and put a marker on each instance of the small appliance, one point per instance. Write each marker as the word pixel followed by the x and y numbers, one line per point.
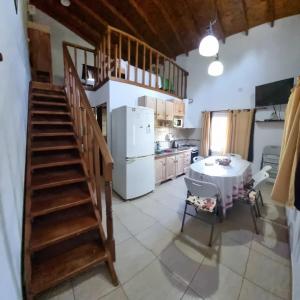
pixel 178 122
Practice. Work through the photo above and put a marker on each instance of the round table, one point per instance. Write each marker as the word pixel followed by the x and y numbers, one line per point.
pixel 229 179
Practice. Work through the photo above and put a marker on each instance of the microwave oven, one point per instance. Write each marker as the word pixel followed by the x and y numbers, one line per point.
pixel 178 122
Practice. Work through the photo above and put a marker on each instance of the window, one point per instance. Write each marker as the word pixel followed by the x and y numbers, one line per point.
pixel 218 133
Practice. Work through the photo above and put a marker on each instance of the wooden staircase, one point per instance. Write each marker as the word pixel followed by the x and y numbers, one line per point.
pixel 63 215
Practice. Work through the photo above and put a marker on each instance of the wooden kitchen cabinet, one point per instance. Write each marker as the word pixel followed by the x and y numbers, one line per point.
pixel 170 167
pixel 169 110
pixel 148 102
pixel 179 108
pixel 160 170
pixel 160 109
pixel 179 164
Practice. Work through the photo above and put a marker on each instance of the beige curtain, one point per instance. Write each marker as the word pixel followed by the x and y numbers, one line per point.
pixel 239 131
pixel 205 133
pixel 284 187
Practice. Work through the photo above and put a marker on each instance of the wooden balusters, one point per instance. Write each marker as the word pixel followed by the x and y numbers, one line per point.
pixel 156 70
pixel 128 57
pixel 108 52
pixel 116 60
pixel 144 63
pixel 136 61
pixel 150 69
pixel 120 54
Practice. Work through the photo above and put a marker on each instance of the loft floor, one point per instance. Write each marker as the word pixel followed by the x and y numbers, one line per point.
pixel 155 261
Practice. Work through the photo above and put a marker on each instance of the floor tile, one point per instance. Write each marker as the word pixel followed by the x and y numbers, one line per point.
pixel 61 292
pixel 272 248
pixel 154 282
pixel 93 284
pixel 231 254
pixel 156 238
pixel 191 295
pixel 121 233
pixel 179 263
pixel 251 291
pixel 131 257
pixel 117 294
pixel 134 220
pixel 215 281
pixel 269 274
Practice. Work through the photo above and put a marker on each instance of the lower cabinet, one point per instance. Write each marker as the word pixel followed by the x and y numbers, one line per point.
pixel 171 166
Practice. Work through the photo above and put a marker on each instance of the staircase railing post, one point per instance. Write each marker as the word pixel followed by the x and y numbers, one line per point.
pixel 109 220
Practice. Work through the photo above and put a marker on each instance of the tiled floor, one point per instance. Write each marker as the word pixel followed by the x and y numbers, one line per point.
pixel 156 261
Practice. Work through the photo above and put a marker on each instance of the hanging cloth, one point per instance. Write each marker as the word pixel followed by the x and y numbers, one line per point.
pixel 284 187
pixel 205 134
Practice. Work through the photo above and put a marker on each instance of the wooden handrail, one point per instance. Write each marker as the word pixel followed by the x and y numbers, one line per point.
pixel 91 141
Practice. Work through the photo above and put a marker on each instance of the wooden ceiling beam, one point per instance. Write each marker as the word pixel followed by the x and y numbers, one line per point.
pixel 159 4
pixel 144 16
pixel 271 8
pixel 76 25
pixel 245 17
pixel 120 16
pixel 219 22
pixel 82 5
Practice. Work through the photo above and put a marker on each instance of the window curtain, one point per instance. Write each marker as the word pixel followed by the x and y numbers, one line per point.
pixel 239 132
pixel 284 187
pixel 205 133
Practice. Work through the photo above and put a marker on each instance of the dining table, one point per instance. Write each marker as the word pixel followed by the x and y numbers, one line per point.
pixel 229 179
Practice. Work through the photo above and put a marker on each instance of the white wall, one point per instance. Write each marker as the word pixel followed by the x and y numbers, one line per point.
pixel 266 55
pixel 59 34
pixel 14 80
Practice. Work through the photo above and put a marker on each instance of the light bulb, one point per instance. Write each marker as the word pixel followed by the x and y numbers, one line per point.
pixel 216 68
pixel 66 3
pixel 209 46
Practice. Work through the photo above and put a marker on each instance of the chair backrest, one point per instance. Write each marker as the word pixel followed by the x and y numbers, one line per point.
pixel 197 158
pixel 260 178
pixel 267 168
pixel 201 188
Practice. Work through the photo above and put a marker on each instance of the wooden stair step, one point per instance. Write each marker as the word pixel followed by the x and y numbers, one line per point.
pixel 52 96
pixel 49 112
pixel 52 159
pixel 46 178
pixel 51 130
pixel 59 198
pixel 48 103
pixel 53 143
pixel 53 271
pixel 50 231
pixel 51 123
pixel 54 108
pixel 57 118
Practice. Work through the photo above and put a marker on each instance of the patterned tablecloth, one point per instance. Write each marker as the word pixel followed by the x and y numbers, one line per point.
pixel 229 179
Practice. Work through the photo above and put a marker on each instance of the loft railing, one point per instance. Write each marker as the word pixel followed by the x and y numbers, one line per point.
pixel 122 57
pixel 93 144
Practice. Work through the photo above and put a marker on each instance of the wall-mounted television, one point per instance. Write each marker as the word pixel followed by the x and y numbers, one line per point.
pixel 274 93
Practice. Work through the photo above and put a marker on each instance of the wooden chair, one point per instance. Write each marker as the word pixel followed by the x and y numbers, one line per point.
pixel 205 198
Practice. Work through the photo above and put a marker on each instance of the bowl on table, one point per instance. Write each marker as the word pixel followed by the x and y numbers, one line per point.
pixel 223 161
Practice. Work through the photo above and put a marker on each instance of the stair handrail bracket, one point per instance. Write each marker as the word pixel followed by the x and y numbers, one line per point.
pixel 92 143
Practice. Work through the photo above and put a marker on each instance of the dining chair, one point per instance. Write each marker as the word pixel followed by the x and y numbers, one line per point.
pixel 205 198
pixel 259 179
pixel 197 158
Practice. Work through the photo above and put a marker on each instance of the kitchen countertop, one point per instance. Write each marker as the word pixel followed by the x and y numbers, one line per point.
pixel 173 152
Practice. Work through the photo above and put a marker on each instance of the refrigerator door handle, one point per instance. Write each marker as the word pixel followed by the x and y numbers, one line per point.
pixel 137 157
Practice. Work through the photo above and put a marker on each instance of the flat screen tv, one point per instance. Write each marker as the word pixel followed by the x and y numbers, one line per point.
pixel 273 93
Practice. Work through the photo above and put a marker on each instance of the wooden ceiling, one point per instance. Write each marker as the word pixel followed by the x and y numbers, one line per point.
pixel 171 26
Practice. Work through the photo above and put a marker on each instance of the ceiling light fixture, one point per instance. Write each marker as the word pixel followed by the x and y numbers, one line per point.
pixel 65 3
pixel 216 68
pixel 209 45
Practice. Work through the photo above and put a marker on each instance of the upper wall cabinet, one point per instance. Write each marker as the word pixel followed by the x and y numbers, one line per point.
pixel 148 102
pixel 160 109
pixel 169 110
pixel 179 108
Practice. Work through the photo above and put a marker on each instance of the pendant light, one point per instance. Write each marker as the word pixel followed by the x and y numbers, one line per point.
pixel 65 3
pixel 215 68
pixel 209 45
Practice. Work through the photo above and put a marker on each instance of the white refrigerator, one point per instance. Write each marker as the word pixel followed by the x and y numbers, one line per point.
pixel 133 151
